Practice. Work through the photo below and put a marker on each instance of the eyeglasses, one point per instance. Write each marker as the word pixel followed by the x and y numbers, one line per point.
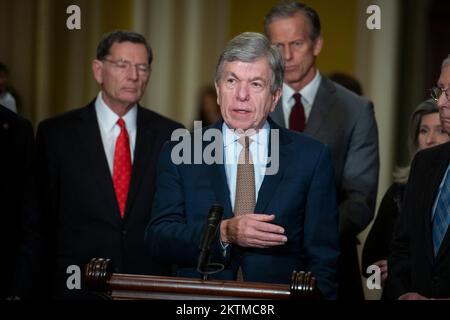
pixel 125 65
pixel 436 93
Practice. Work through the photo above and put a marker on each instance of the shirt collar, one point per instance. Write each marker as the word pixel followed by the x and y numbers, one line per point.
pixel 261 137
pixel 107 118
pixel 308 92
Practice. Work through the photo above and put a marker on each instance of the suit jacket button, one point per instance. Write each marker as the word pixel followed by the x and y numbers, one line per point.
pixel 124 233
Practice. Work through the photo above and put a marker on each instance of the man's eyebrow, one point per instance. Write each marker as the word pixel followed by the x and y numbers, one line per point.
pixel 258 78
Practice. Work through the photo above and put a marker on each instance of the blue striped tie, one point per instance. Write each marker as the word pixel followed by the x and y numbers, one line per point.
pixel 441 218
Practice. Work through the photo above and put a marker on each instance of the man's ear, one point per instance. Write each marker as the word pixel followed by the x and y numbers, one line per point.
pixel 97 71
pixel 217 93
pixel 318 44
pixel 276 96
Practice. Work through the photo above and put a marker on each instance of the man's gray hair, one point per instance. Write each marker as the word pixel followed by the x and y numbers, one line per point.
pixel 249 47
pixel 289 9
pixel 446 62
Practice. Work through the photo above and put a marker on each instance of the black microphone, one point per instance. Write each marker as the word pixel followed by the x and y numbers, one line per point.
pixel 214 218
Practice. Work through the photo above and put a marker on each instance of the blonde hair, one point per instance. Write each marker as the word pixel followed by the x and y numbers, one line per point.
pixel 401 174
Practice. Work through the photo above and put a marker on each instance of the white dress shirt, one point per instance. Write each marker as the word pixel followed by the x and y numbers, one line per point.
pixel 8 101
pixel 110 130
pixel 232 149
pixel 308 96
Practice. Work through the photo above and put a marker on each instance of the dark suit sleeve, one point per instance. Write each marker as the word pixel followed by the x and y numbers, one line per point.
pixel 27 263
pixel 321 239
pixel 47 197
pixel 376 246
pixel 360 176
pixel 399 261
pixel 171 237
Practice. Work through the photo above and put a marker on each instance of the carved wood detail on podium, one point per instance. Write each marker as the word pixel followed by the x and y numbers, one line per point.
pixel 99 277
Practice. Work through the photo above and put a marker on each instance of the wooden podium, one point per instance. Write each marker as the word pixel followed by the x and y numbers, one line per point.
pixel 116 286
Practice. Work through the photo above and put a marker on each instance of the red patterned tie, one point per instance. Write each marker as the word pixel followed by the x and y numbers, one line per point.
pixel 122 166
pixel 297 116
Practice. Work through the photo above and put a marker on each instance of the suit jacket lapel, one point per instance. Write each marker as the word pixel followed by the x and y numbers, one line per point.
pixel 221 189
pixel 277 115
pixel 217 174
pixel 321 108
pixel 145 142
pixel 270 182
pixel 91 142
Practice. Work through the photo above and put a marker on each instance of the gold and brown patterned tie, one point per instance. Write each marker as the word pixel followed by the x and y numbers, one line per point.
pixel 245 198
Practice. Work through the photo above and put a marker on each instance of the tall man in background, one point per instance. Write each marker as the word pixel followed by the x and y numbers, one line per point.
pixel 97 167
pixel 342 120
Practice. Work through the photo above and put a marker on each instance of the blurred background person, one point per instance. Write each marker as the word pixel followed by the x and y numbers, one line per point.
pixel 208 109
pixel 425 131
pixel 7 99
pixel 18 217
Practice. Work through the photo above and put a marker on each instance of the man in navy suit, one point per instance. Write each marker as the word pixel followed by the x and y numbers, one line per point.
pixel 97 169
pixel 335 116
pixel 292 224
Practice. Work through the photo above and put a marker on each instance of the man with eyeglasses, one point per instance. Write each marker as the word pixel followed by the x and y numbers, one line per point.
pixel 419 264
pixel 441 94
pixel 97 168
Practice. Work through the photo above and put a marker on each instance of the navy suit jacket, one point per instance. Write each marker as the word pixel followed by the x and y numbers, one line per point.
pixel 301 194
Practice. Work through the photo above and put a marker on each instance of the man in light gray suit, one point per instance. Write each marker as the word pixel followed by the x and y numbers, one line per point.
pixel 327 111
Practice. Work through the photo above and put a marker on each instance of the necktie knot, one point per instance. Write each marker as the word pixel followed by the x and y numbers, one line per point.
pixel 245 142
pixel 121 124
pixel 297 97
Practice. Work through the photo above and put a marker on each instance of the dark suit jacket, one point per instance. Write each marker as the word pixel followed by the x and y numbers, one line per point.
pixel 19 222
pixel 376 246
pixel 301 195
pixel 345 122
pixel 82 217
pixel 412 264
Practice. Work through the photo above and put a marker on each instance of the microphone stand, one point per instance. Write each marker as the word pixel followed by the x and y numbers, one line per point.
pixel 204 266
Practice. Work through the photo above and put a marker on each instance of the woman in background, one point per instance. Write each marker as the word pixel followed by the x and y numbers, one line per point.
pixel 208 109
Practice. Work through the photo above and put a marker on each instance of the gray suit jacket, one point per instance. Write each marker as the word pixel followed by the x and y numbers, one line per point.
pixel 345 122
